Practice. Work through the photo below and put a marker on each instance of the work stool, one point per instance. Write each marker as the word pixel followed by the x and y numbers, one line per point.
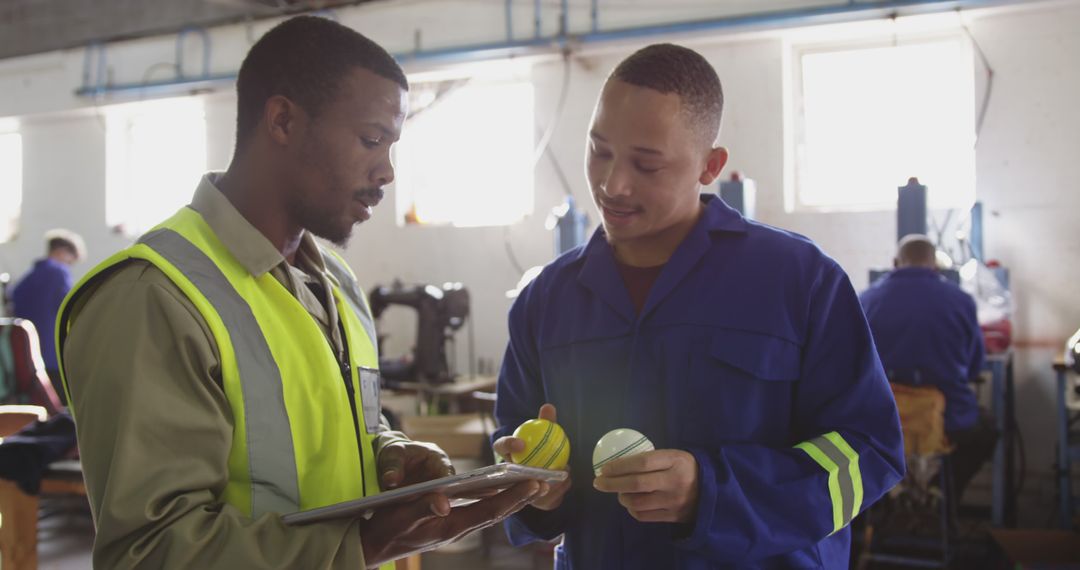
pixel 894 529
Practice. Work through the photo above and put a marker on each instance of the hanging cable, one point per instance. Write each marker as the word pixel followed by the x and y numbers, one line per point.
pixel 556 165
pixel 541 150
pixel 510 251
pixel 989 90
pixel 560 106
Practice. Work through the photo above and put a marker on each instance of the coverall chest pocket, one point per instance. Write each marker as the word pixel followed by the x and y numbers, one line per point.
pixel 741 387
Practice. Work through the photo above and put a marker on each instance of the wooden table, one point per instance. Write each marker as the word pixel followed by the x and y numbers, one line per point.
pixel 452 392
pixel 19 525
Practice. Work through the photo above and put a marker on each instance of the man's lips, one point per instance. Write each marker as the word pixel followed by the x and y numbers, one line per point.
pixel 367 206
pixel 368 199
pixel 620 210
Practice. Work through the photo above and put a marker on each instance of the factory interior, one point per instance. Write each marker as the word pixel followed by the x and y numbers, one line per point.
pixel 836 330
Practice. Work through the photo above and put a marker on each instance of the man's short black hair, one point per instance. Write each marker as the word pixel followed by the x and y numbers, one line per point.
pixel 69 241
pixel 916 250
pixel 61 243
pixel 304 58
pixel 669 68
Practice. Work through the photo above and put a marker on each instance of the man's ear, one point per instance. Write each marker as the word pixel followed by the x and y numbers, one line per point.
pixel 280 118
pixel 714 164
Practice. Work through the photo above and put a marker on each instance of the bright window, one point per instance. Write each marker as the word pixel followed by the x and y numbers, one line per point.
pixel 467 159
pixel 869 119
pixel 155 156
pixel 11 165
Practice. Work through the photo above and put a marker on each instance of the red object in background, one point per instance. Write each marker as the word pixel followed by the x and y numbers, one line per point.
pixel 32 385
pixel 997 335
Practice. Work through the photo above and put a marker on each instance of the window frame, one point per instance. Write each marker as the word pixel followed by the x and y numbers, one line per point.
pixel 795 114
pixel 19 193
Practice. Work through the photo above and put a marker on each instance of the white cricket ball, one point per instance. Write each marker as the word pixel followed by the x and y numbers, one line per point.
pixel 617 444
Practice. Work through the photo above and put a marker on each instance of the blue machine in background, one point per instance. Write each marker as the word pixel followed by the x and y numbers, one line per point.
pixel 570 225
pixel 739 193
pixel 911 218
pixel 911 209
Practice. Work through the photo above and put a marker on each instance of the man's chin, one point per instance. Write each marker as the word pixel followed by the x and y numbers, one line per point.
pixel 615 235
pixel 337 236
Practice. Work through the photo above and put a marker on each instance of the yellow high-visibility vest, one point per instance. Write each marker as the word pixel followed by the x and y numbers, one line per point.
pixel 302 438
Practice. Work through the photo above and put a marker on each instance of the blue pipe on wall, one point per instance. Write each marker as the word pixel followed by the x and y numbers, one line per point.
pixel 497 50
pixel 180 51
pixel 509 20
pixel 790 18
pixel 538 31
pixel 787 18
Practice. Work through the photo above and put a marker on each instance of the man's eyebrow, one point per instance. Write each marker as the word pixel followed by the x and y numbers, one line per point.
pixel 641 149
pixel 385 130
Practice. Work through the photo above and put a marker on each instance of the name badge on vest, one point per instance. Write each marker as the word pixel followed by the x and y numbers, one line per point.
pixel 369 395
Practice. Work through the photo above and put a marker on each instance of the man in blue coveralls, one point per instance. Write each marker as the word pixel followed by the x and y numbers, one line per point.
pixel 38 294
pixel 926 332
pixel 740 350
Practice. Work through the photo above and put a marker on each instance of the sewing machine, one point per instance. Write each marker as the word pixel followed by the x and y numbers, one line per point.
pixel 440 312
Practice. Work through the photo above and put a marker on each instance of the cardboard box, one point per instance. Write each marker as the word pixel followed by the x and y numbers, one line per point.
pixel 1039 549
pixel 459 435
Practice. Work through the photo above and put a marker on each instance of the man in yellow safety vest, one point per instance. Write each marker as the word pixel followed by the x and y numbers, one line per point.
pixel 223 370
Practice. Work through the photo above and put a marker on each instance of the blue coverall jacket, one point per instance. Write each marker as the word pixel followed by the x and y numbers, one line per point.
pixel 37 298
pixel 751 353
pixel 922 322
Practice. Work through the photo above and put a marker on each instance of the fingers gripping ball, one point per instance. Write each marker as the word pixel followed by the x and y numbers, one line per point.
pixel 617 444
pixel 545 445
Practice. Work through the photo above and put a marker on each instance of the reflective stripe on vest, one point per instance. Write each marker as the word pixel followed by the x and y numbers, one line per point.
pixel 346 282
pixel 272 471
pixel 294 443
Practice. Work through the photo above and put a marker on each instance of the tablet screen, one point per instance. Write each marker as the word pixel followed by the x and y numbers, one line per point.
pixel 461 489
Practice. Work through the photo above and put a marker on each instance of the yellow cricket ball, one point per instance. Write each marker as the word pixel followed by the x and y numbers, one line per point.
pixel 545 445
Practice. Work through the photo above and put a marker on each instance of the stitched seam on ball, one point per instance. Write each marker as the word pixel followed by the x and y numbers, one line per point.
pixel 621 453
pixel 554 456
pixel 539 446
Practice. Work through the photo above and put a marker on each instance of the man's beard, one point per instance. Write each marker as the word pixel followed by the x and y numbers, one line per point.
pixel 328 224
pixel 323 223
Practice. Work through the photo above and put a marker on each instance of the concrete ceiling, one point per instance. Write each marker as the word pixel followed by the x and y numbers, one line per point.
pixel 35 26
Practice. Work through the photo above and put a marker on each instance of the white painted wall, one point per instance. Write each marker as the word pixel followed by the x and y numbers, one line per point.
pixel 1026 166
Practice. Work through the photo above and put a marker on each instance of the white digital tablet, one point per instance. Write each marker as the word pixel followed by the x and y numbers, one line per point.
pixel 461 489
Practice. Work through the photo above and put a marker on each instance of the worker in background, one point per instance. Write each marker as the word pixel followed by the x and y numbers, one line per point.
pixel 223 371
pixel 927 332
pixel 738 349
pixel 37 296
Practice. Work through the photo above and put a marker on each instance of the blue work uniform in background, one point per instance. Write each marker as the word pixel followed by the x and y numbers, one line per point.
pixel 751 353
pixel 37 298
pixel 922 322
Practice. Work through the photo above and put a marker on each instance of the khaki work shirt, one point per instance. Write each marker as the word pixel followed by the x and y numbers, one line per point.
pixel 154 425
